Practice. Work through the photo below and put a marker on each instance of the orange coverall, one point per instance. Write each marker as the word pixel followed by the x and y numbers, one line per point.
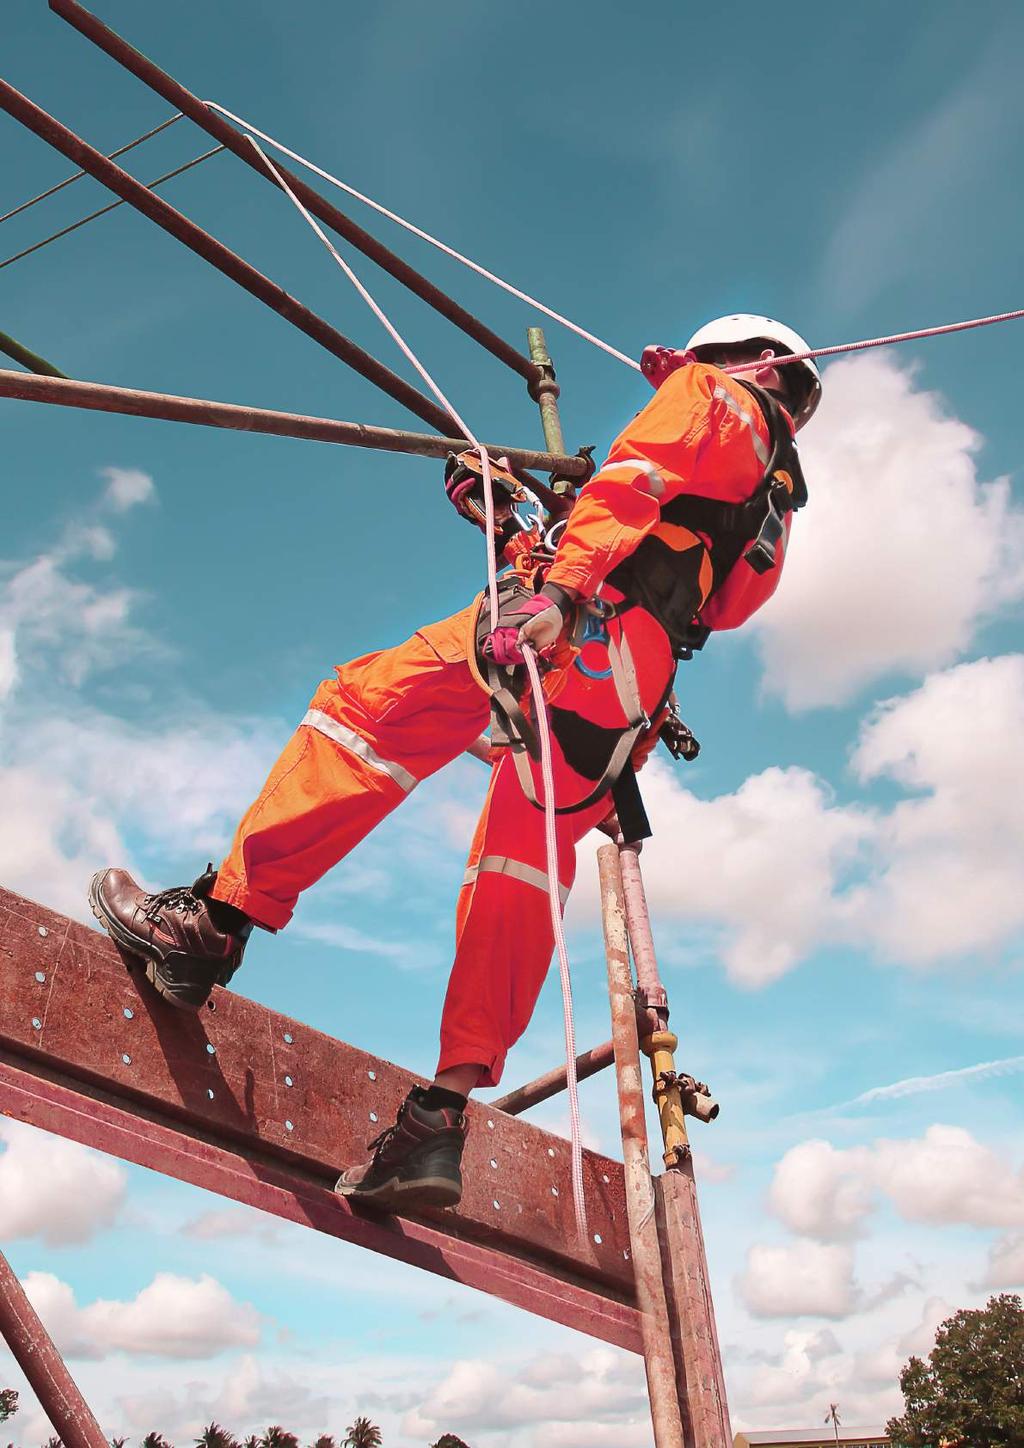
pixel 390 719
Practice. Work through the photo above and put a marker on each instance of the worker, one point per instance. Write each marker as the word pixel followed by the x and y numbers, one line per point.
pixel 682 531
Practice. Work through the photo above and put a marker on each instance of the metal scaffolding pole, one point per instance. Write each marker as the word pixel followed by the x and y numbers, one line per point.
pixel 588 1063
pixel 171 220
pixel 215 125
pixel 99 397
pixel 35 1353
pixel 39 365
pixel 666 1404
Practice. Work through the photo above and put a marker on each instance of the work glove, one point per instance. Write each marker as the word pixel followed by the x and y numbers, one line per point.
pixel 464 484
pixel 536 622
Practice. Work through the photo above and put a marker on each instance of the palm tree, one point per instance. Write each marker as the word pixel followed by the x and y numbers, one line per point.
pixel 276 1437
pixel 118 1442
pixel 449 1440
pixel 214 1436
pixel 363 1434
pixel 832 1416
pixel 324 1441
pixel 8 1403
pixel 53 1443
pixel 251 1442
pixel 155 1440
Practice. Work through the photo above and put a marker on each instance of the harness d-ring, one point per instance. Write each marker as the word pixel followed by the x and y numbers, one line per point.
pixel 595 630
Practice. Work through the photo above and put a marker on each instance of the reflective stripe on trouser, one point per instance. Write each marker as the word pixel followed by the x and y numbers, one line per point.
pixel 387 721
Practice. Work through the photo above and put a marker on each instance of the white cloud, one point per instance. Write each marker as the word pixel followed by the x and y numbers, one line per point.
pixel 949 860
pixel 709 861
pixel 53 1189
pixel 883 1363
pixel 939 1081
pixel 563 1397
pixel 798 1279
pixel 232 1223
pixel 174 1317
pixel 901 550
pixel 821 1192
pixel 1006 1262
pixel 944 1177
pixel 807 1363
pixel 127 487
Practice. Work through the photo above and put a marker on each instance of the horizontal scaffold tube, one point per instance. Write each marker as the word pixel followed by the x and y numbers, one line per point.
pixel 98 397
pixel 215 125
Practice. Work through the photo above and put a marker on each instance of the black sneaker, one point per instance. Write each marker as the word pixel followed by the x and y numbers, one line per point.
pixel 186 951
pixel 415 1162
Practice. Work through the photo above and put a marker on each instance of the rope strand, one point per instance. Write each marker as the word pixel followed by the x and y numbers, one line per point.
pixel 424 235
pixel 579 1201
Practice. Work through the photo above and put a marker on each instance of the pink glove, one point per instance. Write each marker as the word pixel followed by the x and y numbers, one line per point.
pixel 537 621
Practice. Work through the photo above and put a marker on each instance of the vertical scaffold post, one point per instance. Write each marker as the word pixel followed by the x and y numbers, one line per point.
pixel 43 1366
pixel 667 1409
pixel 688 1293
pixel 545 393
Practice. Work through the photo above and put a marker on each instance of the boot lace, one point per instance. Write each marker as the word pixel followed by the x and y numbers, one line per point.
pixel 381 1142
pixel 179 897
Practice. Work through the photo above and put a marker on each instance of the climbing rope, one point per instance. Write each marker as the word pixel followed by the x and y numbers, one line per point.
pixel 551 838
pixel 424 235
pixel 563 321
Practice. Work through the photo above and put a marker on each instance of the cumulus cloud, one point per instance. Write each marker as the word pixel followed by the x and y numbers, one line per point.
pixel 902 549
pixel 231 1223
pixel 949 859
pixel 75 782
pixel 799 1279
pixel 821 1192
pixel 127 487
pixel 709 861
pixel 55 1190
pixel 567 1400
pixel 884 1362
pixel 174 1317
pixel 1005 1262
pixel 944 1177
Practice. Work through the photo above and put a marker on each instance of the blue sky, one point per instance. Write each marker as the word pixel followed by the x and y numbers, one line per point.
pixel 834 882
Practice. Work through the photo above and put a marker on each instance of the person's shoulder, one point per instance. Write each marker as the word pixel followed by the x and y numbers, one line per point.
pixel 694 383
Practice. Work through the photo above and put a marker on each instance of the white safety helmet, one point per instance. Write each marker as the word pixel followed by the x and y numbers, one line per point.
pixel 742 329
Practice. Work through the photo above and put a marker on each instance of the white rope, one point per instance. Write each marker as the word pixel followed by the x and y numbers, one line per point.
pixel 423 235
pixel 579 1201
pixel 558 928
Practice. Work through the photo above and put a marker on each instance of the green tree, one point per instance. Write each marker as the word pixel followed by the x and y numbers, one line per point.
pixel 251 1442
pixel 363 1434
pixel 971 1389
pixel 8 1403
pixel 155 1440
pixel 449 1440
pixel 214 1436
pixel 324 1441
pixel 118 1442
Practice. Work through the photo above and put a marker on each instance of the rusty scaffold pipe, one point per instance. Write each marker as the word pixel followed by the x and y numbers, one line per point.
pixel 35 119
pixel 215 125
pixel 588 1063
pixel 667 1408
pixel 35 1353
pixel 99 397
pixel 677 1211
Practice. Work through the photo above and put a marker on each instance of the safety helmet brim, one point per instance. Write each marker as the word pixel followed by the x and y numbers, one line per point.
pixel 747 328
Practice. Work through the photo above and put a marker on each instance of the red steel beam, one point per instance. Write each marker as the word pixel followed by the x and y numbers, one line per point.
pixel 37 1356
pixel 215 125
pixel 100 397
pixel 150 204
pixel 265 1110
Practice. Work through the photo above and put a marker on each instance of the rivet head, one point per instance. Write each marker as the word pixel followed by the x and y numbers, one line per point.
pixel 40 976
pixel 598 1238
pixel 289 1038
pixel 128 1013
pixel 43 931
pixel 372 1075
pixel 211 1049
pixel 496 1205
pixel 494 1163
pixel 37 1024
pixel 288 1081
pixel 126 1059
pixel 289 1126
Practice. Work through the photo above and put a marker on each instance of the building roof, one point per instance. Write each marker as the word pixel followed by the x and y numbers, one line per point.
pixel 814 1435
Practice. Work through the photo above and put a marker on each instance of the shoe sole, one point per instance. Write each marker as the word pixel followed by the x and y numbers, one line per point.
pixel 124 938
pixel 395 1195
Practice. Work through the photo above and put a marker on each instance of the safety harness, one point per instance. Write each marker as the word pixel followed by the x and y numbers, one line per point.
pixel 667 583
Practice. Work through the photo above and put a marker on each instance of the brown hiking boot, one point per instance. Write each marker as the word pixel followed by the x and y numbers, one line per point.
pixel 415 1163
pixel 186 951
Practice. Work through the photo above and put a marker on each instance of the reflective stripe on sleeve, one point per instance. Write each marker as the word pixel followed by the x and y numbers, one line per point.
pixel 502 865
pixel 324 724
pixel 761 451
pixel 655 482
